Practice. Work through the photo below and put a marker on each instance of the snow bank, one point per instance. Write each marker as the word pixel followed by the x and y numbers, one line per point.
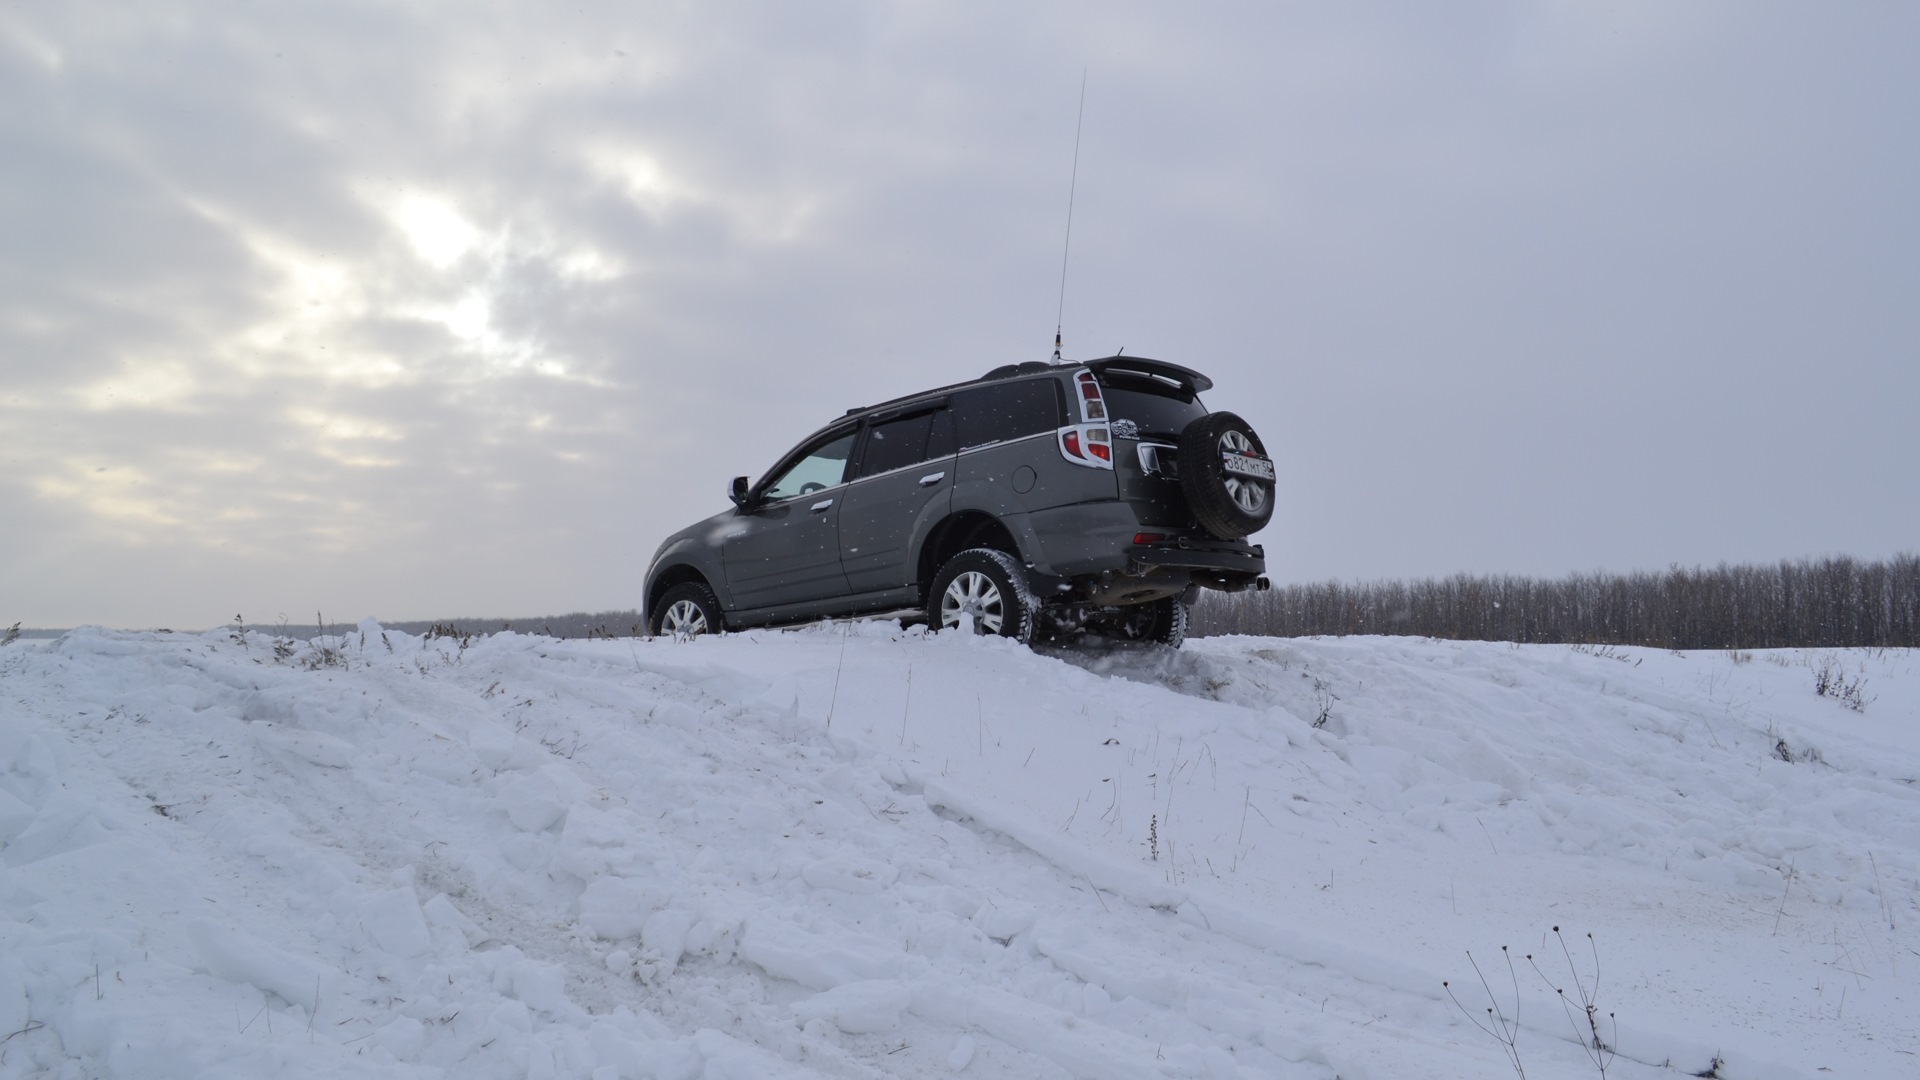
pixel 846 851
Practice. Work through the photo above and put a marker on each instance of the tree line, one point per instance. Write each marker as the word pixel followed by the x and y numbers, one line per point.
pixel 1825 603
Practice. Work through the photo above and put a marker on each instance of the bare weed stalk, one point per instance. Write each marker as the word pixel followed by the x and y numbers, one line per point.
pixel 1598 1050
pixel 1503 1030
pixel 838 665
pixel 1830 680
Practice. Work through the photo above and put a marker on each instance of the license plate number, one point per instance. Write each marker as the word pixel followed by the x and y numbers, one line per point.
pixel 1242 465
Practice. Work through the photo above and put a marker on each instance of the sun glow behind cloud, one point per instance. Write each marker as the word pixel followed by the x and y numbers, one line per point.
pixel 438 233
pixel 158 383
pixel 121 495
pixel 333 341
pixel 640 175
pixel 757 212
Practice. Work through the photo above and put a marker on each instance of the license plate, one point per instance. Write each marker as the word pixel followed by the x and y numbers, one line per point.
pixel 1242 465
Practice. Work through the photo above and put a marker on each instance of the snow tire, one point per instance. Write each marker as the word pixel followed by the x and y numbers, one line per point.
pixel 1227 504
pixel 688 610
pixel 1163 621
pixel 987 587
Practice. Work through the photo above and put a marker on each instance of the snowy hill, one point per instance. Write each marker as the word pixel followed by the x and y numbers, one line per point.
pixel 852 852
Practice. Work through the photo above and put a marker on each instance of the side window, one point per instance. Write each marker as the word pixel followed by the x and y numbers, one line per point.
pixel 821 467
pixel 1003 411
pixel 940 441
pixel 896 444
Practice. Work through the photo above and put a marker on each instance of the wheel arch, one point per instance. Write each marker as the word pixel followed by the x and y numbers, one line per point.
pixel 666 578
pixel 957 533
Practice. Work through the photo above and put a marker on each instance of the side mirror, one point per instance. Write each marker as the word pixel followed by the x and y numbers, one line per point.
pixel 737 490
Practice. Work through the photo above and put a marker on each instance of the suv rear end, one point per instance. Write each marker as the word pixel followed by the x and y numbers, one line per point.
pixel 1143 542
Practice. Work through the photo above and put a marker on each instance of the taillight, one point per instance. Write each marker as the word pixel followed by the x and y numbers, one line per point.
pixel 1148 538
pixel 1087 444
pixel 1092 405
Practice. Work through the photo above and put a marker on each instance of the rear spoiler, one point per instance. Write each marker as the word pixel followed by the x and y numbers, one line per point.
pixel 1158 370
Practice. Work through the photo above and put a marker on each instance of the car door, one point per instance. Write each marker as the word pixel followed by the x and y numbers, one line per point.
pixel 783 546
pixel 903 483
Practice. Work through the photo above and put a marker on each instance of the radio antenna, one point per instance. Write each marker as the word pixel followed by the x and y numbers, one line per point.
pixel 1059 317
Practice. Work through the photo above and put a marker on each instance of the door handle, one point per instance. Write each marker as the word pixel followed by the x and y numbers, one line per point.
pixel 822 505
pixel 932 478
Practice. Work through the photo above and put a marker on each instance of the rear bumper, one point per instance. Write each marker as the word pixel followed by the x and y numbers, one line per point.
pixel 1083 552
pixel 1248 560
pixel 1151 571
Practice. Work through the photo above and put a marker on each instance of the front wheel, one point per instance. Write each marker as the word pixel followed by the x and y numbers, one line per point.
pixel 983 591
pixel 687 610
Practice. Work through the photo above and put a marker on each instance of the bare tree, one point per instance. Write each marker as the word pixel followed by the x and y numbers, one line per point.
pixel 1828 603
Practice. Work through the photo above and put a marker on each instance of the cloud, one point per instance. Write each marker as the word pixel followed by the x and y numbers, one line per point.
pixel 427 312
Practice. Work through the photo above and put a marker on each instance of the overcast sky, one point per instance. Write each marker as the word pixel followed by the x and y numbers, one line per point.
pixel 417 310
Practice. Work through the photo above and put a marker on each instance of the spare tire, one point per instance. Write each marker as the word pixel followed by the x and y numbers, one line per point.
pixel 1226 475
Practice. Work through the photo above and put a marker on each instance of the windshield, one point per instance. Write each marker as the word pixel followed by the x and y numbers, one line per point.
pixel 1158 409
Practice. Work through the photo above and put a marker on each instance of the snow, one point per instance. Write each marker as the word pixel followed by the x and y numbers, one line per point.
pixel 852 851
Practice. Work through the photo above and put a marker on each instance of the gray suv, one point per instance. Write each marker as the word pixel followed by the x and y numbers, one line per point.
pixel 1055 500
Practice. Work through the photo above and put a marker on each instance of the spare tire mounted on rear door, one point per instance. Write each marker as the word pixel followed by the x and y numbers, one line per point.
pixel 1226 475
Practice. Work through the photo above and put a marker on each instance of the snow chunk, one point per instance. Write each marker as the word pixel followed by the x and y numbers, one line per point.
pixel 858 1008
pixel 849 874
pixel 542 986
pixel 27 764
pixel 502 750
pixel 664 937
pixel 615 908
pixel 394 921
pixel 441 911
pixel 237 956
pixel 596 843
pixel 1002 923
pixel 15 816
pixel 403 1038
pixel 677 715
pixel 785 950
pixel 65 827
pixel 533 803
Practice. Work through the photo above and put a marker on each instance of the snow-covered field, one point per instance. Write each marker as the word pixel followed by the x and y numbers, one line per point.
pixel 849 851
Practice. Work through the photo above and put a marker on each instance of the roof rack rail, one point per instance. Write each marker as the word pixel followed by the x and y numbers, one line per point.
pixel 1008 371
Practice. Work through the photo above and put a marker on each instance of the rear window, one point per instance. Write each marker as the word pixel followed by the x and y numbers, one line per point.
pixel 1158 409
pixel 1000 412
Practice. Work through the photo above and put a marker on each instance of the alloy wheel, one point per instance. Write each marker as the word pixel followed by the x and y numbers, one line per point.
pixel 684 619
pixel 1249 495
pixel 973 594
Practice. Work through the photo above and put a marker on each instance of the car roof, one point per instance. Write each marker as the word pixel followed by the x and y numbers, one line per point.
pixel 1138 366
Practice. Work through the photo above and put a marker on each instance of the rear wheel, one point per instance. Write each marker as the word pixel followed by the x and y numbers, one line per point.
pixel 687 610
pixel 1163 620
pixel 984 591
pixel 1226 476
